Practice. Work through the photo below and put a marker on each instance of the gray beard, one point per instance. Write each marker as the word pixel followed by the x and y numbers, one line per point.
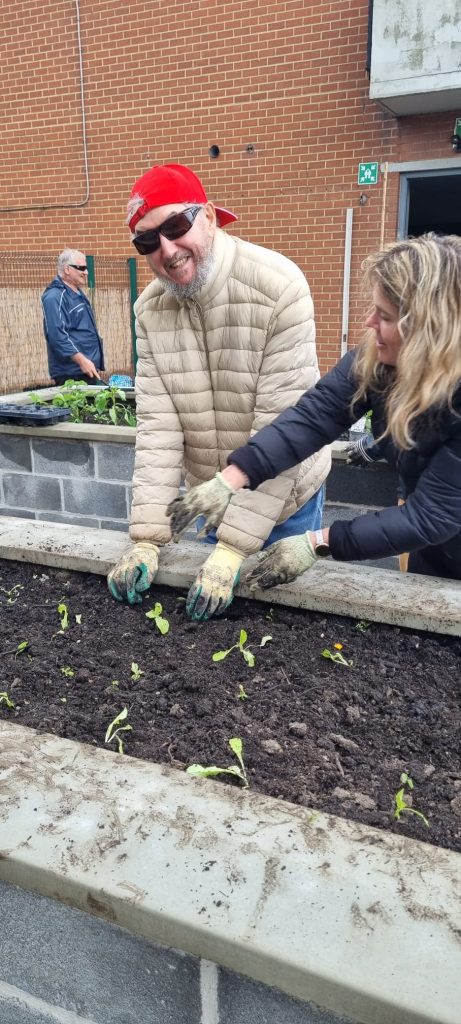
pixel 188 291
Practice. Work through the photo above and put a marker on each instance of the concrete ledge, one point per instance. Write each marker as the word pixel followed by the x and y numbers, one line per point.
pixel 359 922
pixel 358 591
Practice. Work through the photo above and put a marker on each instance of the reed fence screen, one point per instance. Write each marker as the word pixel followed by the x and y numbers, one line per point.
pixel 23 278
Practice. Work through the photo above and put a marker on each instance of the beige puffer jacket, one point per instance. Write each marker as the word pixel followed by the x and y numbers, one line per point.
pixel 212 371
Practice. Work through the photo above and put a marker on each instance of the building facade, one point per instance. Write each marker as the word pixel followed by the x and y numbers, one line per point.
pixel 288 110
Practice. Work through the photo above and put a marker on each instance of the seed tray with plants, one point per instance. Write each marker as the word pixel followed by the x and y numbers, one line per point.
pixel 348 717
pixel 84 404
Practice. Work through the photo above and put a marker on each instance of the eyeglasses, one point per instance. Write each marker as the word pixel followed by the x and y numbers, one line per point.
pixel 77 266
pixel 173 227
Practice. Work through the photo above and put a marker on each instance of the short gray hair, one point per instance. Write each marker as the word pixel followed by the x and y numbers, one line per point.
pixel 65 258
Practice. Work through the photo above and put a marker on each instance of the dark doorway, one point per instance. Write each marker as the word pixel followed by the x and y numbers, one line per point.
pixel 430 201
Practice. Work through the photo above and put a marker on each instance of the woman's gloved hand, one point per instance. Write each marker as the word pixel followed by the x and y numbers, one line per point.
pixel 209 499
pixel 134 573
pixel 213 589
pixel 282 562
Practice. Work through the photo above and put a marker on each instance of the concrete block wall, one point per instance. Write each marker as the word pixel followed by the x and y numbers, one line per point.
pixel 59 965
pixel 80 482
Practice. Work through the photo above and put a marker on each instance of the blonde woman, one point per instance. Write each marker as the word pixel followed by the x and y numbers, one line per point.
pixel 408 371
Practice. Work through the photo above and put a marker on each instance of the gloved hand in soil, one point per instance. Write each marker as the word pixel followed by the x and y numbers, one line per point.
pixel 213 589
pixel 209 499
pixel 134 573
pixel 282 562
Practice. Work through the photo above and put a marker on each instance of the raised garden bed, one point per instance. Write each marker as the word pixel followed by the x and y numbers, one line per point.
pixel 316 732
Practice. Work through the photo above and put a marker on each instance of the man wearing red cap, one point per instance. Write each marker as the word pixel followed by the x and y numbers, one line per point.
pixel 225 342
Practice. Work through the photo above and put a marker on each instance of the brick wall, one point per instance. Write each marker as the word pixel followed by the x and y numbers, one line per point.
pixel 167 81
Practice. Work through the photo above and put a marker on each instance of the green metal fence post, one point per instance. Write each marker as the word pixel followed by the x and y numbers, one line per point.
pixel 91 277
pixel 132 271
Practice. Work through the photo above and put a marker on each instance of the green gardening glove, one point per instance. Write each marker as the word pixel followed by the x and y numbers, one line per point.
pixel 134 573
pixel 209 499
pixel 282 562
pixel 213 589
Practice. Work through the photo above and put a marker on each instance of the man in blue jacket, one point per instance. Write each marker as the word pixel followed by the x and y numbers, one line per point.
pixel 73 343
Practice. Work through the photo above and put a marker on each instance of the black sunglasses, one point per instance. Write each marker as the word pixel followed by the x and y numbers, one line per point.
pixel 173 227
pixel 77 266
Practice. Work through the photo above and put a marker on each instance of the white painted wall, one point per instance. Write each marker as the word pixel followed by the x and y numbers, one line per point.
pixel 416 55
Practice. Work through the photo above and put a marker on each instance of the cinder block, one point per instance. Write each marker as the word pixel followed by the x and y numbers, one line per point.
pixel 243 1000
pixel 15 452
pixel 63 458
pixel 57 517
pixel 34 492
pixel 18 513
pixel 92 968
pixel 108 524
pixel 114 461
pixel 95 498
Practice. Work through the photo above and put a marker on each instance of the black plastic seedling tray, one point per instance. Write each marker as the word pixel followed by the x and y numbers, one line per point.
pixel 32 415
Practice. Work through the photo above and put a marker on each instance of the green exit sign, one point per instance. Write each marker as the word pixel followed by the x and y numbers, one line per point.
pixel 368 174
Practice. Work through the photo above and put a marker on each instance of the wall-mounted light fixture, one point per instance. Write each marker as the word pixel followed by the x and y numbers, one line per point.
pixel 456 137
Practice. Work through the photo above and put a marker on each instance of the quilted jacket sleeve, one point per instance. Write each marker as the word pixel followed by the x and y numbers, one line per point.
pixel 159 449
pixel 289 368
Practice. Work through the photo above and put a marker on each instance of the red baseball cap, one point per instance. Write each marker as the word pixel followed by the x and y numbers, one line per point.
pixel 165 184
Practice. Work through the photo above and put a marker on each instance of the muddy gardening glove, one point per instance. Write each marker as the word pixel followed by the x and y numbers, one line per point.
pixel 209 499
pixel 282 562
pixel 213 589
pixel 134 573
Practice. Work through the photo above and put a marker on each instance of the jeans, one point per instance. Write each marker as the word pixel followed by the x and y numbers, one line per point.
pixel 308 517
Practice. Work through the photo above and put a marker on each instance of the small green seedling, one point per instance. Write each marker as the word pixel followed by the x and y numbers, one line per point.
pixel 337 657
pixel 136 672
pixel 240 646
pixel 242 694
pixel 362 626
pixel 11 595
pixel 155 613
pixel 270 615
pixel 4 699
pixel 400 802
pixel 203 772
pixel 114 729
pixel 67 670
pixel 63 613
pixel 21 648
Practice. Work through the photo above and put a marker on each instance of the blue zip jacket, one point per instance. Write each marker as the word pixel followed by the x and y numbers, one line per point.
pixel 70 327
pixel 430 473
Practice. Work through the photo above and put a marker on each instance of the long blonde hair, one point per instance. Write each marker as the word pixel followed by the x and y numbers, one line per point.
pixel 422 278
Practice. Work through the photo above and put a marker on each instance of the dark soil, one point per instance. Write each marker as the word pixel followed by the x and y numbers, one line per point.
pixel 340 735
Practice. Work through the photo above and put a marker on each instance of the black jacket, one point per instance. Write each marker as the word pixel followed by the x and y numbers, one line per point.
pixel 69 326
pixel 430 472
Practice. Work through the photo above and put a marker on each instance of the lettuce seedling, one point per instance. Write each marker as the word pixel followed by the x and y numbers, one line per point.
pixel 63 613
pixel 155 613
pixel 4 699
pixel 136 672
pixel 337 657
pixel 114 729
pixel 11 595
pixel 67 670
pixel 240 646
pixel 400 804
pixel 242 694
pixel 203 772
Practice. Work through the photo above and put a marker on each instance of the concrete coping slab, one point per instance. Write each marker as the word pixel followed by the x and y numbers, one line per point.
pixel 339 588
pixel 362 923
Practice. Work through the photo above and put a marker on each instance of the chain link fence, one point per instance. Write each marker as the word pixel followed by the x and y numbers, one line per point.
pixel 23 278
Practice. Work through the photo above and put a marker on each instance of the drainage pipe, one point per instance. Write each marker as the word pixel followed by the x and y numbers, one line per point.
pixel 346 280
